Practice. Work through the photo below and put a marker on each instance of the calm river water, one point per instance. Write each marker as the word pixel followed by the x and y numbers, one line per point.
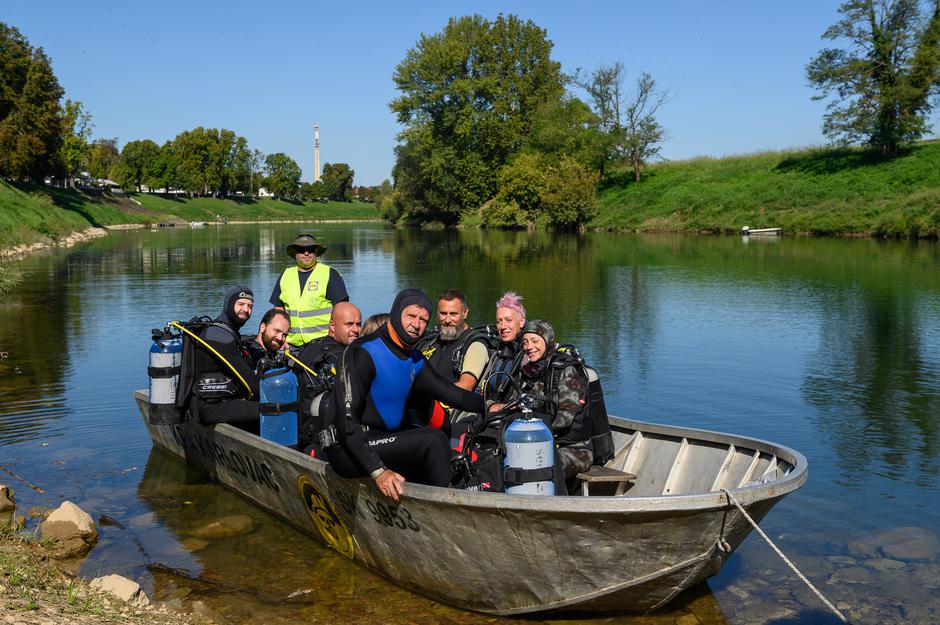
pixel 831 347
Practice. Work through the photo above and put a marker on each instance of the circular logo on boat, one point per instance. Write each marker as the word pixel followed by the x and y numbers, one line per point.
pixel 325 517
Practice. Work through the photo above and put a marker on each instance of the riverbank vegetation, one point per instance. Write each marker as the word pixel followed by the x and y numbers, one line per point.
pixel 492 129
pixel 32 213
pixel 847 191
pixel 35 591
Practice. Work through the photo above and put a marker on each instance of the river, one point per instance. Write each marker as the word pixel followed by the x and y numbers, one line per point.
pixel 831 347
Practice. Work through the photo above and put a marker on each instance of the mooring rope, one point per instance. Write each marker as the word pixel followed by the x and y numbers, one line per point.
pixel 785 559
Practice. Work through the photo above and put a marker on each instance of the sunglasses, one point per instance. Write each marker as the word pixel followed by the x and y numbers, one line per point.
pixel 306 250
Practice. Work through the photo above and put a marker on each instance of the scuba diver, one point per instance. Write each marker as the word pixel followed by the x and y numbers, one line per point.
pixel 505 362
pixel 272 334
pixel 376 375
pixel 217 383
pixel 456 351
pixel 316 365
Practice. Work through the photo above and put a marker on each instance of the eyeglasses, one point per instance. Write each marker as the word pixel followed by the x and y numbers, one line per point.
pixel 306 250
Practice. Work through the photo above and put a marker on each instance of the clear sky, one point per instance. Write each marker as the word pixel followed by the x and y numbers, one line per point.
pixel 269 70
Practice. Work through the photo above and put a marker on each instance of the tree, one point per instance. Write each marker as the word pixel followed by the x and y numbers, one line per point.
pixel 338 181
pixel 138 164
pixel 627 122
pixel 255 164
pixel 102 156
pixel 642 134
pixel 557 190
pixel 468 97
pixel 569 127
pixel 31 121
pixel 283 174
pixel 882 83
pixel 73 155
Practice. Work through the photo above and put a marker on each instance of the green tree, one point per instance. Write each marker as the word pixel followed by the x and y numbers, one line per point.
pixel 73 155
pixel 557 191
pixel 31 120
pixel 568 127
pixel 642 133
pixel 283 174
pixel 626 122
pixel 138 164
pixel 468 97
pixel 102 156
pixel 881 83
pixel 255 169
pixel 165 169
pixel 198 160
pixel 337 180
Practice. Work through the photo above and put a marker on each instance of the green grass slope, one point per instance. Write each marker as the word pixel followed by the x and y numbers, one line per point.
pixel 31 213
pixel 826 192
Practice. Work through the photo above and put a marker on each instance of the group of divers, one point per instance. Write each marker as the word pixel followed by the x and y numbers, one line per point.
pixel 502 408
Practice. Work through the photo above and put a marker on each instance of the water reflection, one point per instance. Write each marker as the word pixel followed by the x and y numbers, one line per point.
pixel 831 347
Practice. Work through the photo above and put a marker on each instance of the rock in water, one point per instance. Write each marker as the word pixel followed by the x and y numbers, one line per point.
pixel 900 543
pixel 72 528
pixel 7 499
pixel 234 525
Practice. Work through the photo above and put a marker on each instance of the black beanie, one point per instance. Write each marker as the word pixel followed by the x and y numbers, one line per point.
pixel 402 301
pixel 234 294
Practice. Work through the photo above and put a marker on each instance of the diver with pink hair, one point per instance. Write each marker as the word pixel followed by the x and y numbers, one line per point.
pixel 505 362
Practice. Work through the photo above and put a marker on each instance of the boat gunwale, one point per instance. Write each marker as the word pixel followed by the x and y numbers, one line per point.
pixel 572 503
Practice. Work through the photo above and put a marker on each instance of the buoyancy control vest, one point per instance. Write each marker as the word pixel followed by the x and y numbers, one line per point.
pixel 591 420
pixel 447 357
pixel 320 359
pixel 202 375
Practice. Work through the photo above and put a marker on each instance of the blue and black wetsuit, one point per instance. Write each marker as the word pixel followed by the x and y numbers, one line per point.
pixel 381 376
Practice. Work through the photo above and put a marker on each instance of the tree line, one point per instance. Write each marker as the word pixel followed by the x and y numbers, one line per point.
pixel 41 135
pixel 493 127
pixel 494 131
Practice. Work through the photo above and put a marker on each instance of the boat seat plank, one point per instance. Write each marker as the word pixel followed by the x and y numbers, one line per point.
pixel 598 473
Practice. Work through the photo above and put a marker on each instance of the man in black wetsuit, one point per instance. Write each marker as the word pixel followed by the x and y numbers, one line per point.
pixel 321 356
pixel 376 375
pixel 272 334
pixel 224 387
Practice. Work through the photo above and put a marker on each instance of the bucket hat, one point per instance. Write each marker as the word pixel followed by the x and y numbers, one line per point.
pixel 306 240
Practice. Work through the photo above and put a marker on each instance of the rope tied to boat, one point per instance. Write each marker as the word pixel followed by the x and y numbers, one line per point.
pixel 802 577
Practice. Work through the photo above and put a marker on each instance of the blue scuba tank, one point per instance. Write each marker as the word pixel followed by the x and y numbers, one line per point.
pixel 278 395
pixel 530 456
pixel 164 370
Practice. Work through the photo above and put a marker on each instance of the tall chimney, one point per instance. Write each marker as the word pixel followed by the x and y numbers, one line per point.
pixel 316 152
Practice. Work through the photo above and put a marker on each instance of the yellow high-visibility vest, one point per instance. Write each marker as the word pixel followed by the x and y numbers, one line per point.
pixel 309 311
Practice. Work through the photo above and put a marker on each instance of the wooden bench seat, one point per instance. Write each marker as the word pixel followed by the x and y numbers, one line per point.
pixel 599 474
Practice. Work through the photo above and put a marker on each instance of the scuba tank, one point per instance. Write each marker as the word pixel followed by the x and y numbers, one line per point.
pixel 163 370
pixel 278 405
pixel 529 463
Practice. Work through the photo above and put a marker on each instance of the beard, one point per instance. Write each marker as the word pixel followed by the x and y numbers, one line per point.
pixel 449 333
pixel 271 344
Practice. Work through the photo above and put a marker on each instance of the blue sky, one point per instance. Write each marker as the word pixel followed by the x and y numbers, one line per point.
pixel 269 70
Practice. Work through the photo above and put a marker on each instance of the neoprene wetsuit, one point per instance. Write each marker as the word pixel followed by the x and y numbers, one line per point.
pixel 381 376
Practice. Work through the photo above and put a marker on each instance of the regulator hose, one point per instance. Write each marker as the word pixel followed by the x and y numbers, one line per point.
pixel 177 325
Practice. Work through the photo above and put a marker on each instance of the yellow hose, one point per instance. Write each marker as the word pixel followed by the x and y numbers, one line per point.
pixel 295 359
pixel 177 325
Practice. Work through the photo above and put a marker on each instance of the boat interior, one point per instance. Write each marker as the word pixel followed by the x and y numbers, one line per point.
pixel 654 464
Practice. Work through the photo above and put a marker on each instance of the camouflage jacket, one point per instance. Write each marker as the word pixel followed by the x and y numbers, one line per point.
pixel 566 409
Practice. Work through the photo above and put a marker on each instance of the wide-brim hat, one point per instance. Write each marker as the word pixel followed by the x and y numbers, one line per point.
pixel 306 240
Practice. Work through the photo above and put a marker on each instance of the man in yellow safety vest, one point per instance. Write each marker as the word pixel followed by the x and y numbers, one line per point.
pixel 308 291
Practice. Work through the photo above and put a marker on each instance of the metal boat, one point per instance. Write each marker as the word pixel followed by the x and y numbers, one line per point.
pixel 632 547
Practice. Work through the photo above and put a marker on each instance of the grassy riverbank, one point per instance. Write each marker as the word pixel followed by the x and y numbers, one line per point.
pixel 824 191
pixel 31 213
pixel 34 591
